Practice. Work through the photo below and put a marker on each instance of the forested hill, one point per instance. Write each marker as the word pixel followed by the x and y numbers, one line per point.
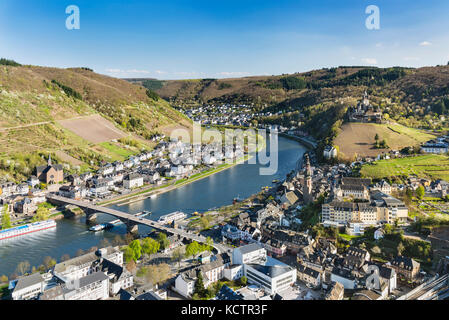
pixel 403 92
pixel 317 101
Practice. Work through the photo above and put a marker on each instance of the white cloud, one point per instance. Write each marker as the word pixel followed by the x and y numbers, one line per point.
pixel 425 44
pixel 138 71
pixel 119 72
pixel 233 74
pixel 369 60
pixel 113 70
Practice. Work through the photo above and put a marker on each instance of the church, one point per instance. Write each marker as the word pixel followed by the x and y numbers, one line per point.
pixel 50 174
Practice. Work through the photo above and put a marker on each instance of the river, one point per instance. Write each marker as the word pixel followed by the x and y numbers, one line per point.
pixel 217 190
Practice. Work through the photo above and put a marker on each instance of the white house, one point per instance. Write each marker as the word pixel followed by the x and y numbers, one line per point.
pixel 132 181
pixel 330 152
pixel 233 272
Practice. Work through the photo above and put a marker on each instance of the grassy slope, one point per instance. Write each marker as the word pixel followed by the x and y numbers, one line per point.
pixel 426 166
pixel 358 138
pixel 27 97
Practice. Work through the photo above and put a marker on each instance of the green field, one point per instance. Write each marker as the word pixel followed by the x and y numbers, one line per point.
pixel 118 152
pixel 427 166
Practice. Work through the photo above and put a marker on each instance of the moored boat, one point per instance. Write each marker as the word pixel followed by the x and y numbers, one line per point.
pixel 26 229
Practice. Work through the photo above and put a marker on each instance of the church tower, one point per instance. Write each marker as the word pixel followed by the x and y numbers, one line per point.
pixel 307 187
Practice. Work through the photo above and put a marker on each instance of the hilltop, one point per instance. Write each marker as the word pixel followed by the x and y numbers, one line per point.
pixel 81 117
pixel 317 101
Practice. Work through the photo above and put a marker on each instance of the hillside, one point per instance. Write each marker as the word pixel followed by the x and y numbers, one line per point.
pixel 357 139
pixel 317 101
pixel 81 117
pixel 432 166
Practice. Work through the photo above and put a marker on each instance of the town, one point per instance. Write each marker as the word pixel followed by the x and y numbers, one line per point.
pixel 318 234
pixel 228 159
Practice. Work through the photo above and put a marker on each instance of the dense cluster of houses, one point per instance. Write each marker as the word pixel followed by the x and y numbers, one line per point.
pixel 225 114
pixel 93 276
pixel 319 265
pixel 169 160
pixel 356 204
pixel 270 275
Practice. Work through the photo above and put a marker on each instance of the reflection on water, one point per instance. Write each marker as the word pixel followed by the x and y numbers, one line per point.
pixel 220 189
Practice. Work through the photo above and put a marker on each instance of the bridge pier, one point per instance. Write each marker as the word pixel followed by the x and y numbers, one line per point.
pixel 131 227
pixel 91 215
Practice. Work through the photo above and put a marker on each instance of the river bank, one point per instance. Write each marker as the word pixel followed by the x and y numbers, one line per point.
pixel 217 190
pixel 154 191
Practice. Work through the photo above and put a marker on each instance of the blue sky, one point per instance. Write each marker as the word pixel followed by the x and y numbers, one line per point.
pixel 177 39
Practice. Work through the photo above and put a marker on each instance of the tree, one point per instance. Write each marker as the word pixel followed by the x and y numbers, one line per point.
pixel 420 192
pixel 199 285
pixel 376 250
pixel 150 246
pixel 22 268
pixel 79 252
pixel 209 244
pixel 376 137
pixel 400 249
pixel 65 257
pixel 204 222
pixel 177 255
pixel 243 280
pixel 128 254
pixel 42 214
pixel 388 228
pixel 136 249
pixel 118 240
pixel 158 273
pixel 163 240
pixel 439 108
pixel 6 219
pixel 49 262
pixel 131 265
pixel 3 279
pixel 129 237
pixel 192 249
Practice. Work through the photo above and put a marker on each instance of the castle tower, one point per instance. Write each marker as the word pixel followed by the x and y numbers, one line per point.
pixel 365 99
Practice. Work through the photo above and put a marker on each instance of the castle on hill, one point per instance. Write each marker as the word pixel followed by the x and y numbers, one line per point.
pixel 365 112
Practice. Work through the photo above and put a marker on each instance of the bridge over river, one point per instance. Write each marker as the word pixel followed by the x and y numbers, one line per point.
pixel 131 221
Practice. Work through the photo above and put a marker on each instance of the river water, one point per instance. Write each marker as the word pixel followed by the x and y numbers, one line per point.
pixel 214 191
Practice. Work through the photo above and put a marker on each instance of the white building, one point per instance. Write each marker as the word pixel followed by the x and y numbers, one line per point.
pixel 27 288
pixel 250 253
pixel 233 272
pixel 273 276
pixel 330 152
pixel 94 286
pixel 132 181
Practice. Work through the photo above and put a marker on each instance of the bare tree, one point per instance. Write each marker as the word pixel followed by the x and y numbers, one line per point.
pixel 22 268
pixel 65 257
